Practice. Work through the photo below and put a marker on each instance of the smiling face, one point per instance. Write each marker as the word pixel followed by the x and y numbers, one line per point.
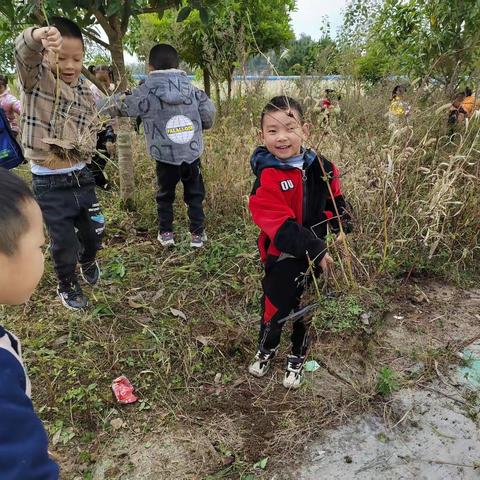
pixel 70 59
pixel 283 133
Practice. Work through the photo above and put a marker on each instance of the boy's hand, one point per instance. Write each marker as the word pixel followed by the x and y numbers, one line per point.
pixel 50 37
pixel 326 263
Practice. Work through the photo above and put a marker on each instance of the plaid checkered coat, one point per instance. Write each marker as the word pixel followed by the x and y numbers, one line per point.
pixel 54 140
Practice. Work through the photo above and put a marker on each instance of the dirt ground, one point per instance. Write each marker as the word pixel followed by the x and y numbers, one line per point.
pixel 337 426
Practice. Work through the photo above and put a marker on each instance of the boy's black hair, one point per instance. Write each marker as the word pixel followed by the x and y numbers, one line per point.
pixel 282 102
pixel 14 192
pixel 163 57
pixel 3 80
pixel 67 28
pixel 468 91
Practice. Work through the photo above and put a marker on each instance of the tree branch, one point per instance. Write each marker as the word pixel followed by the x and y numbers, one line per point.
pixel 104 23
pixel 166 4
pixel 96 39
pixel 125 19
pixel 149 10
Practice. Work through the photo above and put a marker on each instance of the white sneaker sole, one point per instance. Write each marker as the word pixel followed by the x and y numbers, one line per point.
pixel 291 385
pixel 199 245
pixel 168 243
pixel 257 373
pixel 66 305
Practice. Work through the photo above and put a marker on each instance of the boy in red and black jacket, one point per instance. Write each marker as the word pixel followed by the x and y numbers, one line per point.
pixel 296 194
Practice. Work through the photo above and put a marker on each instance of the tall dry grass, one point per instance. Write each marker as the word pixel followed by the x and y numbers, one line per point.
pixel 414 191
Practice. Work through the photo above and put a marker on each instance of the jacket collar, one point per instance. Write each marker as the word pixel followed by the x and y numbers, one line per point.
pixel 262 158
pixel 169 71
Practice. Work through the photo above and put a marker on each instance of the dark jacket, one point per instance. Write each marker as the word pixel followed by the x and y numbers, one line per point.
pixel 292 207
pixel 23 441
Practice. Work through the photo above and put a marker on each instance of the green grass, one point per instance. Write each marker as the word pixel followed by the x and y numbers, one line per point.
pixel 130 328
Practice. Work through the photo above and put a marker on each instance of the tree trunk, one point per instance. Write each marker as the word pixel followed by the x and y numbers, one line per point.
pixel 229 87
pixel 116 45
pixel 125 162
pixel 217 96
pixel 124 141
pixel 206 82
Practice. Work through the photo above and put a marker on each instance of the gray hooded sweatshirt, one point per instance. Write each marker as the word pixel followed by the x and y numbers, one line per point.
pixel 174 113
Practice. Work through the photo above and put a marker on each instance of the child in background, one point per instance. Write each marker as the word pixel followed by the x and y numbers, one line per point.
pixel 399 110
pixel 104 74
pixel 10 105
pixel 295 195
pixel 23 441
pixel 331 107
pixel 457 113
pixel 106 137
pixel 174 113
pixel 470 104
pixel 59 130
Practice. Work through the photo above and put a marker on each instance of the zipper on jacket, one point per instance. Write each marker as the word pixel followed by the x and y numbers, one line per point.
pixel 304 193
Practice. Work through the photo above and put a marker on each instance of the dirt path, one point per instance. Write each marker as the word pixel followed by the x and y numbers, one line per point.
pixel 437 436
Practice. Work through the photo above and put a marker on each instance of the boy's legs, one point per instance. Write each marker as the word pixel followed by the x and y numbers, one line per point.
pixel 299 338
pixel 90 221
pixel 283 285
pixel 167 177
pixel 193 195
pixel 59 209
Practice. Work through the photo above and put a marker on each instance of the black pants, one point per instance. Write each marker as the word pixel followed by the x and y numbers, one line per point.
pixel 193 194
pixel 73 218
pixel 283 285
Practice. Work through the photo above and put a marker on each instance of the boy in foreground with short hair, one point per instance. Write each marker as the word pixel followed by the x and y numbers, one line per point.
pixel 59 137
pixel 23 441
pixel 174 113
pixel 295 195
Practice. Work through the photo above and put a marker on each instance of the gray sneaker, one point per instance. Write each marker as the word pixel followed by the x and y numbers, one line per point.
pixel 166 239
pixel 198 240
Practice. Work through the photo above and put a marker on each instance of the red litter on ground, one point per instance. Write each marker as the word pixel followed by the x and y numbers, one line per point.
pixel 123 390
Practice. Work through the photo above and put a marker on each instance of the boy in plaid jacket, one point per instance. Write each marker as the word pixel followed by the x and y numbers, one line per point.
pixel 59 134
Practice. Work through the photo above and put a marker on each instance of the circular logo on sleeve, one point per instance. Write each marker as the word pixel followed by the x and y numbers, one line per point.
pixel 180 129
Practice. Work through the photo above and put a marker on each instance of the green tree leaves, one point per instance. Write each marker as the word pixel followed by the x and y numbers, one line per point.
pixel 418 38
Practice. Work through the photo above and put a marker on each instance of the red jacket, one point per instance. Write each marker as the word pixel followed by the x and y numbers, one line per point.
pixel 292 207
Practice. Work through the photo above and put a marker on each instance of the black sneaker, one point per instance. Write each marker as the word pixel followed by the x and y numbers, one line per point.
pixel 72 296
pixel 90 272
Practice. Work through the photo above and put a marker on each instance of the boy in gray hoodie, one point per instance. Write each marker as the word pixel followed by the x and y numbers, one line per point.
pixel 174 113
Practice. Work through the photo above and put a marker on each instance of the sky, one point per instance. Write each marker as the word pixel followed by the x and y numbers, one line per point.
pixel 309 15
